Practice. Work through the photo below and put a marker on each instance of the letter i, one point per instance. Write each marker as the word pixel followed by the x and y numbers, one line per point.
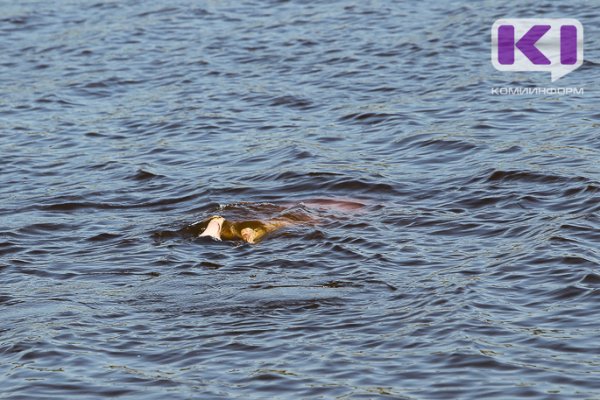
pixel 568 44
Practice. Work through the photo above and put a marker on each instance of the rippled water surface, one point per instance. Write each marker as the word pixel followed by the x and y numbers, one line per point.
pixel 471 270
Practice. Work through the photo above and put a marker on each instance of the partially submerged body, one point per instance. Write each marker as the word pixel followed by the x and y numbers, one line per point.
pixel 268 217
pixel 248 231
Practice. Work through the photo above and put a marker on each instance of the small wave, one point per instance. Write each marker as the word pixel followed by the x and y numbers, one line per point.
pixel 110 82
pixel 528 176
pixel 292 102
pixel 54 99
pixel 591 279
pixel 161 11
pixel 143 175
pixel 361 186
pixel 445 145
pixel 43 228
pixel 103 237
pixel 367 118
pixel 570 292
pixel 16 20
pixel 9 248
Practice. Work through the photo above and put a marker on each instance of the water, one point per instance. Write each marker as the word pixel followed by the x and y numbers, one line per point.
pixel 471 272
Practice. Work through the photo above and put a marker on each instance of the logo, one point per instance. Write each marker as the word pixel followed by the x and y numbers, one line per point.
pixel 540 44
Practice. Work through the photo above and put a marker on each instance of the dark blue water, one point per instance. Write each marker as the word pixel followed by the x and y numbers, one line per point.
pixel 472 271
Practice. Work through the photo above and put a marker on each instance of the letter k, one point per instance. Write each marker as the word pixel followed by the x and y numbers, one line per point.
pixel 506 44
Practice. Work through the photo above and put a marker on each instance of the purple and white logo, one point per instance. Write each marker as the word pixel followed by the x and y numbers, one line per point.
pixel 537 44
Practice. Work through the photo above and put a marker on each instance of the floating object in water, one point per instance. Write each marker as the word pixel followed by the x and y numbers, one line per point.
pixel 253 231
